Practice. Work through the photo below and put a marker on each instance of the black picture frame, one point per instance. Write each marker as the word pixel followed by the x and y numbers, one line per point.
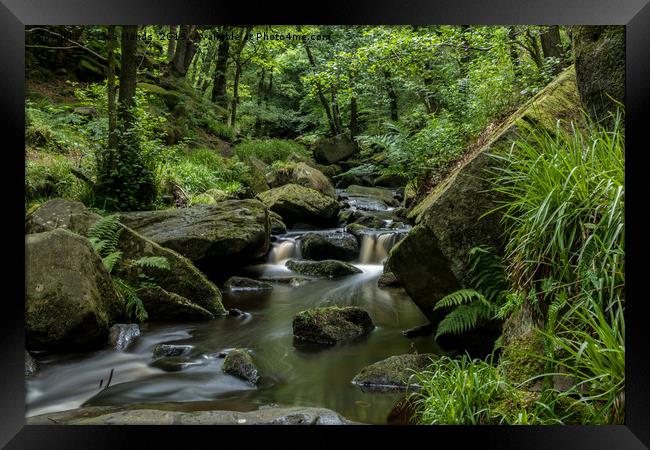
pixel 15 14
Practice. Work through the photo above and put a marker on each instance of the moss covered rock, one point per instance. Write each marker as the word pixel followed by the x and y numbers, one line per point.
pixel 70 300
pixel 431 261
pixel 239 363
pixel 183 278
pixel 331 325
pixel 277 225
pixel 235 229
pixel 392 373
pixel 257 175
pixel 247 284
pixel 334 149
pixel 327 268
pixel 321 246
pixel 299 204
pixel 599 53
pixel 163 305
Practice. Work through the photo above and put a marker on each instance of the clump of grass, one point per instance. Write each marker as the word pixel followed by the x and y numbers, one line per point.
pixel 270 150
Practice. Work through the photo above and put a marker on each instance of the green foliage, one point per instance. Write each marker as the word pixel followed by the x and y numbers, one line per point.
pixel 134 306
pixel 50 176
pixel 153 262
pixel 470 306
pixel 270 150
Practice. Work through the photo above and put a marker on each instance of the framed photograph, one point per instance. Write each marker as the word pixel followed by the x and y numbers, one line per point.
pixel 387 218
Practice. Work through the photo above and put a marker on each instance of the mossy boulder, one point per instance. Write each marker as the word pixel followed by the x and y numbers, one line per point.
pixel 333 149
pixel 388 279
pixel 235 229
pixel 167 350
pixel 392 373
pixel 70 300
pixel 384 195
pixel 327 268
pixel 257 175
pixel 299 204
pixel 302 174
pixel 246 284
pixel 183 278
pixel 320 246
pixel 163 305
pixel 277 225
pixel 432 261
pixel 239 363
pixel 599 53
pixel 331 325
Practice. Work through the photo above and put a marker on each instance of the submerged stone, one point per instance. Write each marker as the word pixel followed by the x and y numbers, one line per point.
pixel 171 350
pixel 321 246
pixel 392 373
pixel 331 325
pixel 247 284
pixel 239 363
pixel 327 268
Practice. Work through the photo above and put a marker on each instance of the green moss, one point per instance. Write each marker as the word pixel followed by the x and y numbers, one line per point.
pixel 520 360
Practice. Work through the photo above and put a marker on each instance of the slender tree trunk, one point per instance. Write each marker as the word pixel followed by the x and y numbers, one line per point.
pixel 465 56
pixel 319 89
pixel 260 86
pixel 354 117
pixel 191 45
pixel 392 97
pixel 128 76
pixel 235 94
pixel 220 71
pixel 110 88
pixel 336 114
pixel 514 52
pixel 269 89
pixel 534 50
pixel 171 44
pixel 178 63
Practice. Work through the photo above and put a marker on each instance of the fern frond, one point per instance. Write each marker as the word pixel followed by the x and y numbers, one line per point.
pixel 153 262
pixel 464 318
pixel 111 259
pixel 457 298
pixel 133 304
pixel 105 233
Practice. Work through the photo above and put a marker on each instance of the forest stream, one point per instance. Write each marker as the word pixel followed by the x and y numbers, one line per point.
pixel 292 374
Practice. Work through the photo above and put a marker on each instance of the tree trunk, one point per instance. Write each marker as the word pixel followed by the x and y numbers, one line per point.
pixel 110 88
pixel 319 89
pixel 128 76
pixel 392 97
pixel 219 85
pixel 269 89
pixel 191 46
pixel 336 114
pixel 354 117
pixel 178 63
pixel 260 86
pixel 235 85
pixel 171 44
pixel 534 50
pixel 514 52
pixel 551 42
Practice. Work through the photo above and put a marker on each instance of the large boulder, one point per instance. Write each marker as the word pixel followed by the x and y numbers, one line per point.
pixel 238 230
pixel 183 278
pixel 163 305
pixel 246 284
pixel 599 53
pixel 392 373
pixel 378 193
pixel 239 363
pixel 320 246
pixel 432 261
pixel 302 174
pixel 70 300
pixel 299 204
pixel 334 149
pixel 331 325
pixel 164 414
pixel 257 174
pixel 327 268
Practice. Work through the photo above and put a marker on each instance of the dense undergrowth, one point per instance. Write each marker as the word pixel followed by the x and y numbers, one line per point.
pixel 565 258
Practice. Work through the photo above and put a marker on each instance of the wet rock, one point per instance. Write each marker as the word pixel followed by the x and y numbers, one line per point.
pixel 246 284
pixel 303 175
pixel 358 230
pixel 370 221
pixel 235 312
pixel 70 300
pixel 392 373
pixel 31 365
pixel 121 335
pixel 183 278
pixel 299 204
pixel 163 305
pixel 277 225
pixel 334 149
pixel 331 325
pixel 235 229
pixel 386 196
pixel 171 350
pixel 326 268
pixel 320 246
pixel 388 279
pixel 164 414
pixel 239 363
pixel 173 363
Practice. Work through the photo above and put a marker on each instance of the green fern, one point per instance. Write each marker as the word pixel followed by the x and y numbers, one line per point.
pixel 104 237
pixel 153 262
pixel 133 304
pixel 484 302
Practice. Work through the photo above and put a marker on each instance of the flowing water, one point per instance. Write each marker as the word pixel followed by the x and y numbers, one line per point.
pixel 292 374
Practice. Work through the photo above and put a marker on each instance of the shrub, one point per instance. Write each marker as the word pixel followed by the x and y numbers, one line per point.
pixel 270 150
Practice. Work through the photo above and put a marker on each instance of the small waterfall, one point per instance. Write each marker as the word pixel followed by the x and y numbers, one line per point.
pixel 284 250
pixel 375 247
